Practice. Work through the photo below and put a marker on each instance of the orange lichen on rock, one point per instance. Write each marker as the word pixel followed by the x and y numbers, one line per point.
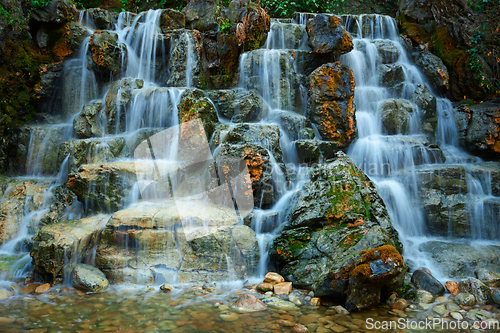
pixel 387 253
pixel 62 47
pixel 355 224
pixel 493 139
pixel 254 163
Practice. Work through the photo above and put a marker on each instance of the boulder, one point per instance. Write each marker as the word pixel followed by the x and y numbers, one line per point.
pixel 434 69
pixel 56 11
pixel 184 64
pixel 86 123
pixel 392 77
pixel 396 116
pixel 266 181
pixel 460 260
pixel 89 278
pixel 186 241
pixel 194 105
pixel 273 278
pixel 91 151
pixel 388 52
pixel 77 34
pixel 239 106
pixel 327 35
pixel 117 101
pixel 479 129
pixel 423 280
pixel 101 18
pixel 105 54
pixel 376 269
pixel 427 105
pixel 495 296
pixel 334 217
pixel 475 287
pixel 104 187
pixel 59 247
pixel 287 36
pixel 294 125
pixel 446 200
pixel 13 196
pixel 201 15
pixel 331 103
pixel 489 278
pixel 171 19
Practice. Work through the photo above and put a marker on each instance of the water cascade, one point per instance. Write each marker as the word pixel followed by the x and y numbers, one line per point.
pixel 121 151
pixel 407 159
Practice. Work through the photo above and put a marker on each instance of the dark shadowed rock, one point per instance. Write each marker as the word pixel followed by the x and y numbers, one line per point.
pixel 423 280
pixel 327 35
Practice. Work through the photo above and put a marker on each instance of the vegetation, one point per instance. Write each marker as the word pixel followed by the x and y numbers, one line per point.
pixel 486 46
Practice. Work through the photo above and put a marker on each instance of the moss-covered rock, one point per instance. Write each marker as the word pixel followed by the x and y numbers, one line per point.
pixel 335 216
pixel 195 105
pixel 396 115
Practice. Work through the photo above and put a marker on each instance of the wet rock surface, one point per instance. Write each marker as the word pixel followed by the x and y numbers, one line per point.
pixel 331 105
pixel 321 221
pixel 327 35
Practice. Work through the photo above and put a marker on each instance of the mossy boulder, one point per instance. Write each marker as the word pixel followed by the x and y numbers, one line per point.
pixel 434 69
pixel 171 19
pixel 195 105
pixel 331 103
pixel 102 19
pixel 330 221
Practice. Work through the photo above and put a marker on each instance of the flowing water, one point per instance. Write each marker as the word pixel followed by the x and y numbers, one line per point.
pixel 393 160
pixel 276 72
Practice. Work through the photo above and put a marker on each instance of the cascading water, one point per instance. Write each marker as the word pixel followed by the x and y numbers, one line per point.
pixel 394 156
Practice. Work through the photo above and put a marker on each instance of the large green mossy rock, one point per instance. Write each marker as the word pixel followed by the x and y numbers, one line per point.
pixel 335 216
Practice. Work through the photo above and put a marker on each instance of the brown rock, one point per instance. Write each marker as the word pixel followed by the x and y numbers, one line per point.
pixel 265 287
pixel 399 304
pixel 4 294
pixel 286 323
pixel 283 288
pixel 29 288
pixel 339 309
pixel 166 287
pixel 42 289
pixel 249 303
pixel 316 301
pixel 452 287
pixel 6 320
pixel 299 328
pixel 273 278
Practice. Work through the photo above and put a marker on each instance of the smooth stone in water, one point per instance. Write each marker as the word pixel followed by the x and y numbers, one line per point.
pixel 274 278
pixel 299 328
pixel 316 301
pixel 283 288
pixel 229 316
pixel 166 287
pixel 495 296
pixel 452 287
pixel 42 289
pixel 265 287
pixel 475 287
pixel 456 316
pixel 423 280
pixel 400 304
pixel 491 279
pixel 249 303
pixel 89 278
pixel 4 294
pixel 295 300
pixel 465 299
pixel 339 309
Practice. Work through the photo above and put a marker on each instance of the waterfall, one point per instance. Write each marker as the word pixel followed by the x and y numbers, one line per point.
pixel 393 158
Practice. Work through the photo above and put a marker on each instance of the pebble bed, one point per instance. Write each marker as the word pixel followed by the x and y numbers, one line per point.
pixel 209 308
